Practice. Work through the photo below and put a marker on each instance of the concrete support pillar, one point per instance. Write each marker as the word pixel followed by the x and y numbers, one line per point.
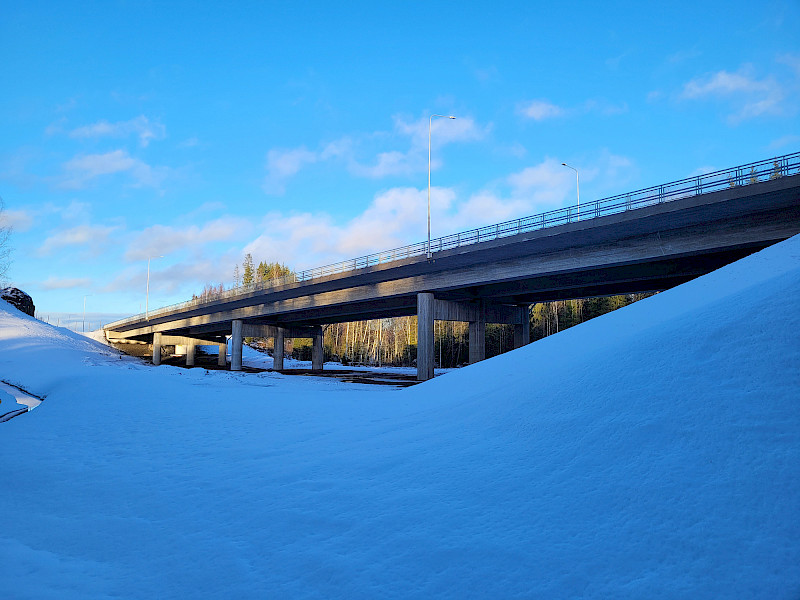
pixel 236 345
pixel 156 348
pixel 477 336
pixel 191 348
pixel 477 341
pixel 317 350
pixel 223 355
pixel 277 352
pixel 425 341
pixel 522 333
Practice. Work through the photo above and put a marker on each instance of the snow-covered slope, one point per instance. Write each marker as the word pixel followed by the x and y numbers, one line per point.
pixel 651 453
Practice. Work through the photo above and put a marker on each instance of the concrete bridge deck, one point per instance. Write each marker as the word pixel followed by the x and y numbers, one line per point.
pixel 655 247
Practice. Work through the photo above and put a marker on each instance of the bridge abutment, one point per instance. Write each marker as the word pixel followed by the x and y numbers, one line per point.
pixel 236 345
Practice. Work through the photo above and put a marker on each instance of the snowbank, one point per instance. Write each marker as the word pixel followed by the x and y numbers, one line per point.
pixel 651 453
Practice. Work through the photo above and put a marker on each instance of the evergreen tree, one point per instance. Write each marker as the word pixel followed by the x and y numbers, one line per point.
pixel 248 277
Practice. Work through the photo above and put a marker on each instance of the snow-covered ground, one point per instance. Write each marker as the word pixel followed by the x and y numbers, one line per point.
pixel 650 453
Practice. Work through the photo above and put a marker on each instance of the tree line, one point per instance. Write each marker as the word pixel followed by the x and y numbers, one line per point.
pixel 250 275
pixel 393 341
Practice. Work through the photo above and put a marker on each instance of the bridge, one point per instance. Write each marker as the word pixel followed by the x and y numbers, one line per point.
pixel 648 240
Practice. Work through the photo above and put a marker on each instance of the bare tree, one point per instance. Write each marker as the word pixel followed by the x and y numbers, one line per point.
pixel 5 249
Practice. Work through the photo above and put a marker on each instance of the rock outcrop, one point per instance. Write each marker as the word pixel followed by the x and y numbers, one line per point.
pixel 19 299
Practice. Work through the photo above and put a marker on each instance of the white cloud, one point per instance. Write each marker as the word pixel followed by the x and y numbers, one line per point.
pixel 65 283
pixel 414 159
pixel 18 220
pixel 722 83
pixel 485 208
pixel 443 130
pixel 283 164
pixel 783 141
pixel 397 216
pixel 82 169
pixel 547 181
pixel 161 240
pixel 191 142
pixel 183 277
pixel 605 108
pixel 391 163
pixel 92 237
pixel 750 96
pixel 141 126
pixel 539 110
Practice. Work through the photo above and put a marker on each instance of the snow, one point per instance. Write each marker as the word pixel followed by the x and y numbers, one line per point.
pixel 650 453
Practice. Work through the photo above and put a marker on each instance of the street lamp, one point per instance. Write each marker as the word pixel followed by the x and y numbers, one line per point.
pixel 147 295
pixel 430 125
pixel 84 311
pixel 578 183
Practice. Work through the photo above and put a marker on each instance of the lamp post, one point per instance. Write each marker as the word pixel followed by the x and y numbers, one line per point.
pixel 147 295
pixel 84 311
pixel 578 183
pixel 430 126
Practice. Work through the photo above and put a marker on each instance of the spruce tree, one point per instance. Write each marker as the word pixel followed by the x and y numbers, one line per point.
pixel 248 277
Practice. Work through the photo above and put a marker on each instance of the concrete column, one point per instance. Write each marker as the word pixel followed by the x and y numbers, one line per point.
pixel 316 350
pixel 477 341
pixel 522 333
pixel 425 342
pixel 236 345
pixel 477 336
pixel 191 348
pixel 222 361
pixel 277 352
pixel 156 348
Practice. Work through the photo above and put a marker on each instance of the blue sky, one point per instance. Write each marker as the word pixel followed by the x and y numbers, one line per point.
pixel 198 132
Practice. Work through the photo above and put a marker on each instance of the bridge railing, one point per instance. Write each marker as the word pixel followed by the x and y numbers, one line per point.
pixel 771 168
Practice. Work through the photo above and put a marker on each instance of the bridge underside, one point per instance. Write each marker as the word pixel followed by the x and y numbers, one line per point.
pixel 642 250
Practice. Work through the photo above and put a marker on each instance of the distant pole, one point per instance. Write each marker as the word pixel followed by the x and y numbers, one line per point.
pixel 578 185
pixel 430 126
pixel 147 295
pixel 84 312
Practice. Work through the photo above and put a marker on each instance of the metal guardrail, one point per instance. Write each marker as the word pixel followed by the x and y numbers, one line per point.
pixel 771 168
